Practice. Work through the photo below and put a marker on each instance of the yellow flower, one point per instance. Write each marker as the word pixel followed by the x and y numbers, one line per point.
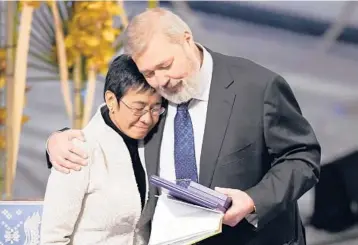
pixel 72 54
pixel 2 53
pixel 93 41
pixel 109 35
pixel 109 22
pixel 91 33
pixel 2 142
pixel 3 114
pixel 115 10
pixel 95 6
pixel 2 61
pixel 34 4
pixel 2 82
pixel 69 42
pixel 152 4
pixel 25 119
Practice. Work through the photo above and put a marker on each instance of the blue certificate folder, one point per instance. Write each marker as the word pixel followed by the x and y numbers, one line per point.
pixel 194 193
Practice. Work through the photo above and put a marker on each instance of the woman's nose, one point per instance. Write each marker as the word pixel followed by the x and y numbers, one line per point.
pixel 147 118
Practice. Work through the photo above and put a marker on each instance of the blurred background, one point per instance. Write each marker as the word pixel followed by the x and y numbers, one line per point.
pixel 52 74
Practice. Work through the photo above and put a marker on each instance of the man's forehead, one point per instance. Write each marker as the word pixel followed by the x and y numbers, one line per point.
pixel 156 52
pixel 148 62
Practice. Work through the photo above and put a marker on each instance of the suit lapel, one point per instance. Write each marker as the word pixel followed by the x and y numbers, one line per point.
pixel 152 148
pixel 220 104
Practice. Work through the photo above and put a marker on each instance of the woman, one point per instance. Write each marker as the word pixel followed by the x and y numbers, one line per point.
pixel 102 203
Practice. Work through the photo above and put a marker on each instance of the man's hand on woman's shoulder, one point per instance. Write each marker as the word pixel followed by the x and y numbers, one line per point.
pixel 63 154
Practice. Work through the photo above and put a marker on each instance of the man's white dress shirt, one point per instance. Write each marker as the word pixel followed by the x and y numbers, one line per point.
pixel 197 110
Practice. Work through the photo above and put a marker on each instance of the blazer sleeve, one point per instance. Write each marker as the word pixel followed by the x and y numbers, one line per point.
pixel 63 202
pixel 49 164
pixel 294 150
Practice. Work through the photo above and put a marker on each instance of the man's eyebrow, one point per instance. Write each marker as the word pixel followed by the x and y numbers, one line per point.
pixel 159 65
pixel 145 71
pixel 163 63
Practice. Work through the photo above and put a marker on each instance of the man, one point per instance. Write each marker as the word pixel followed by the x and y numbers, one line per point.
pixel 231 125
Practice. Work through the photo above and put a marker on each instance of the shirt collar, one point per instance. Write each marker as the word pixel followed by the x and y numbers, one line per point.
pixel 205 74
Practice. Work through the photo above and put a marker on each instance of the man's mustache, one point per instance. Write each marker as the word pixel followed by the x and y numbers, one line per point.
pixel 171 84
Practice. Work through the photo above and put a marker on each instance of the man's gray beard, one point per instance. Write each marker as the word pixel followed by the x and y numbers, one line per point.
pixel 189 90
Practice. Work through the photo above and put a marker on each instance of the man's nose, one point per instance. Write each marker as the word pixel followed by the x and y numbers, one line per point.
pixel 162 78
pixel 163 83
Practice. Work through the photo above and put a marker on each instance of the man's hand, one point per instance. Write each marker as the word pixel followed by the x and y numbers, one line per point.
pixel 64 156
pixel 242 205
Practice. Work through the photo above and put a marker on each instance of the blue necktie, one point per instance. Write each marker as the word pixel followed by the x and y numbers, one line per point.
pixel 184 147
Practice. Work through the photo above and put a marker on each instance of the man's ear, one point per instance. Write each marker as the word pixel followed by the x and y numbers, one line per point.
pixel 188 37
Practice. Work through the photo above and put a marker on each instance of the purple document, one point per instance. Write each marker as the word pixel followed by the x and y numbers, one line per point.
pixel 220 198
pixel 195 194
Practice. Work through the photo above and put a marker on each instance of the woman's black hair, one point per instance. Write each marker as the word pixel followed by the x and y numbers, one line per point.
pixel 123 74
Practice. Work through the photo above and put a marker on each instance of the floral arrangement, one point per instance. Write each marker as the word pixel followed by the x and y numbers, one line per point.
pixel 82 37
pixel 90 47
pixel 85 37
pixel 91 34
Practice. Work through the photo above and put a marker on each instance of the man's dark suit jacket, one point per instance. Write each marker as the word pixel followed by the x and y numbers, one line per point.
pixel 255 140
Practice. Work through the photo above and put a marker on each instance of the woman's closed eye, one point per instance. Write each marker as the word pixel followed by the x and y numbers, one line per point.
pixel 157 109
pixel 138 109
pixel 154 109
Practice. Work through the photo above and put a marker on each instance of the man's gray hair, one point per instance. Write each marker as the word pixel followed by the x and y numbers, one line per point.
pixel 148 23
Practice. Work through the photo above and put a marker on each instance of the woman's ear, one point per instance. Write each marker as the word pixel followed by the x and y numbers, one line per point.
pixel 111 100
